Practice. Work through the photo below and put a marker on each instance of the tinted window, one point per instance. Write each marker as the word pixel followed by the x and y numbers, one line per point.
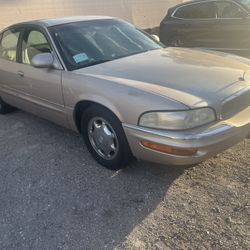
pixel 196 11
pixel 8 47
pixel 229 10
pixel 87 43
pixel 35 43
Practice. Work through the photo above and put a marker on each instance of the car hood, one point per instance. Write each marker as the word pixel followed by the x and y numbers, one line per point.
pixel 193 77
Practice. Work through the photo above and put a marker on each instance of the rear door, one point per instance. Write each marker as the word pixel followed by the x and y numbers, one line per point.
pixel 232 27
pixel 9 65
pixel 196 24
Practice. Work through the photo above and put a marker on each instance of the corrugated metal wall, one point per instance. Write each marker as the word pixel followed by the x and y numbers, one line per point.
pixel 144 13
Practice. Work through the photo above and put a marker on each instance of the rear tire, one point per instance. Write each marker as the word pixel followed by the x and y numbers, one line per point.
pixel 5 108
pixel 105 139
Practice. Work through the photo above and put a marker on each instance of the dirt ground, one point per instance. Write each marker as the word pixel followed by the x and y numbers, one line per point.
pixel 207 207
pixel 55 196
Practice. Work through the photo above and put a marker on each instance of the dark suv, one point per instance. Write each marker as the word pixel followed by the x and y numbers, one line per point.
pixel 211 24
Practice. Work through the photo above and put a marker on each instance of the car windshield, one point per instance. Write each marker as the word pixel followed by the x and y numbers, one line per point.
pixel 245 3
pixel 87 43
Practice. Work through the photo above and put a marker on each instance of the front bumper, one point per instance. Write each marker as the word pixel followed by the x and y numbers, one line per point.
pixel 209 140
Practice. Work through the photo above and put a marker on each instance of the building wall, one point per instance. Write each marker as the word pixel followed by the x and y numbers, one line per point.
pixel 144 13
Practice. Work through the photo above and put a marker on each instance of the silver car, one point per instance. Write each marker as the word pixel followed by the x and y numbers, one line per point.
pixel 126 93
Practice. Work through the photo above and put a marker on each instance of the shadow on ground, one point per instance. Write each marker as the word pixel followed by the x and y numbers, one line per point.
pixel 55 196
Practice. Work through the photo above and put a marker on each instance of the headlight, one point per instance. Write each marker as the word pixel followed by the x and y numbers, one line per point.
pixel 178 120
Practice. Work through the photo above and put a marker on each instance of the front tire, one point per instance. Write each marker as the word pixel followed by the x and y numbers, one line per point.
pixel 105 138
pixel 176 41
pixel 5 108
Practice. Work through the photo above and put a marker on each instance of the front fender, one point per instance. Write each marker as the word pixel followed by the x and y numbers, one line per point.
pixel 126 101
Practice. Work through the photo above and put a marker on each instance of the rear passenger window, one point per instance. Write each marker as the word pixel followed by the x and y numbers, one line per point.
pixel 227 10
pixel 196 11
pixel 8 46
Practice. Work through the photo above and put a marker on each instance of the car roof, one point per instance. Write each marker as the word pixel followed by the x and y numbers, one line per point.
pixel 171 10
pixel 62 20
pixel 194 1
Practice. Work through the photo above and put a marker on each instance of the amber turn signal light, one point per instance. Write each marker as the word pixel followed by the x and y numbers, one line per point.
pixel 168 149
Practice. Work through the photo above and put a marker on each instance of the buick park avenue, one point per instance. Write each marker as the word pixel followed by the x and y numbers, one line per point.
pixel 128 95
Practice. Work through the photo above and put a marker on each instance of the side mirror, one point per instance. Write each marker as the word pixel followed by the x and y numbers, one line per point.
pixel 43 60
pixel 156 38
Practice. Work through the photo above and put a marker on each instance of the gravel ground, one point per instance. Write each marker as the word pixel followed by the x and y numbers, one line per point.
pixel 55 196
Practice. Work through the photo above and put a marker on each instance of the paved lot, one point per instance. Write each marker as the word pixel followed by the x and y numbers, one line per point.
pixel 54 196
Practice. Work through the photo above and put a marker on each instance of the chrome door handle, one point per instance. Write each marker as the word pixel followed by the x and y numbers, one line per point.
pixel 20 73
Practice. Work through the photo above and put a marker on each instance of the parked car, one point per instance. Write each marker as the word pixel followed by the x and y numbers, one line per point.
pixel 123 91
pixel 212 24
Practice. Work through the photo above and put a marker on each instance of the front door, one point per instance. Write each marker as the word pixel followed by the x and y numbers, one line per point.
pixel 41 89
pixel 196 24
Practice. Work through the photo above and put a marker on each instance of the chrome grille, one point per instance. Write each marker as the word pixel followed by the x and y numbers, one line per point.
pixel 236 104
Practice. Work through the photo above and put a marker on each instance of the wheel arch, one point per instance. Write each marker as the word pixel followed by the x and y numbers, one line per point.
pixel 83 105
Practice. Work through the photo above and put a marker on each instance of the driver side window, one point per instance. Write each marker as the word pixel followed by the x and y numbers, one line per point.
pixel 35 43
